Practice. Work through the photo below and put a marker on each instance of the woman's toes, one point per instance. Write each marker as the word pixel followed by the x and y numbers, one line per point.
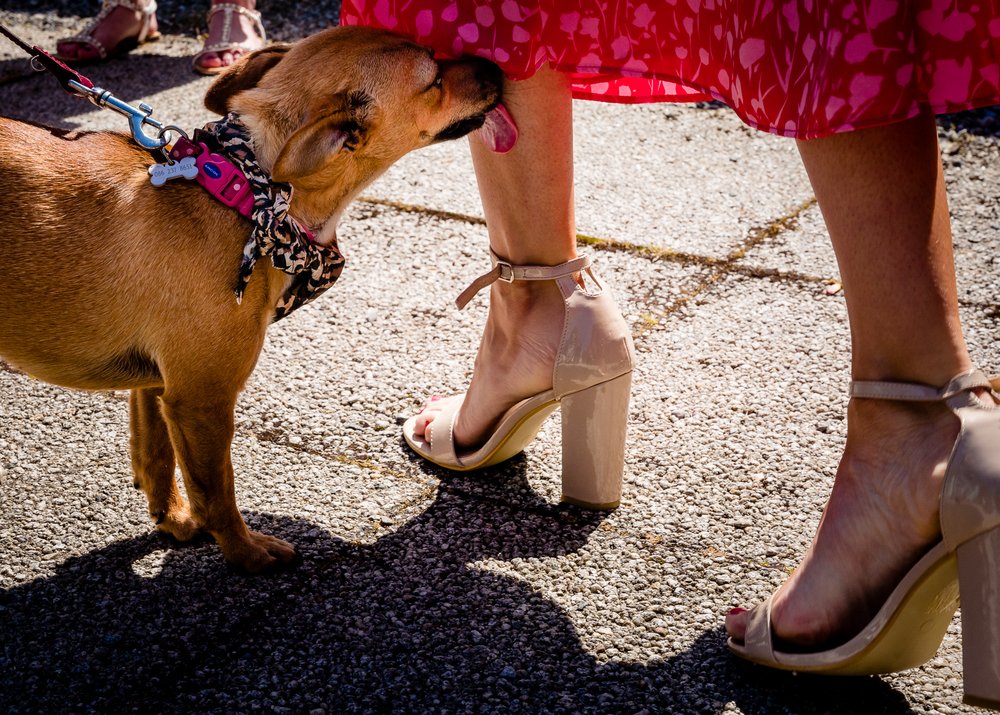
pixel 736 622
pixel 210 61
pixel 420 424
pixel 428 402
pixel 76 51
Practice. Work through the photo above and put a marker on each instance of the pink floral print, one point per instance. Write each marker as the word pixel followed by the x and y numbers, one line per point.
pixel 802 68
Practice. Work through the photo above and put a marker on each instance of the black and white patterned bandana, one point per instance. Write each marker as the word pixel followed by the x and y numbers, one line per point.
pixel 274 233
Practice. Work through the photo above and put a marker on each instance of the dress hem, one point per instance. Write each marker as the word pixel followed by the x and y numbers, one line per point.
pixel 702 94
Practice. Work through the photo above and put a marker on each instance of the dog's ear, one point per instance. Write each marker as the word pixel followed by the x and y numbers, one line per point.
pixel 331 127
pixel 243 74
pixel 310 148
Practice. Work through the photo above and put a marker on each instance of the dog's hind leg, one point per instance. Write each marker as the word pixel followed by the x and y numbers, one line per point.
pixel 200 419
pixel 153 465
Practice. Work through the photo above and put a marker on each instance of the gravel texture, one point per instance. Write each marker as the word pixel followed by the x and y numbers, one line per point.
pixel 423 591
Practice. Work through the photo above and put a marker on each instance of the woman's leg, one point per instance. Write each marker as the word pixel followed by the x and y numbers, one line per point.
pixel 527 197
pixel 882 194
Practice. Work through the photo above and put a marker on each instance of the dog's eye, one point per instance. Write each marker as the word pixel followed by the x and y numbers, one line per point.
pixel 438 80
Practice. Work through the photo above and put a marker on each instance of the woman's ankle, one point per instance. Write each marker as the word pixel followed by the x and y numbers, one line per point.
pixel 900 450
pixel 934 369
pixel 520 302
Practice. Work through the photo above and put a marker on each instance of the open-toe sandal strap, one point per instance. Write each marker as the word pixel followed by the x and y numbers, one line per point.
pixel 86 37
pixel 913 392
pixel 758 643
pixel 508 273
pixel 442 442
pixel 229 8
pixel 234 7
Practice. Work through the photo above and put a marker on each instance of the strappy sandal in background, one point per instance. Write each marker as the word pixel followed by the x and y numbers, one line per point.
pixel 225 43
pixel 909 628
pixel 591 385
pixel 148 32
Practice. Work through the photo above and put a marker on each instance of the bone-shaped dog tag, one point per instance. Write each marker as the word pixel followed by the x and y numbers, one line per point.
pixel 159 174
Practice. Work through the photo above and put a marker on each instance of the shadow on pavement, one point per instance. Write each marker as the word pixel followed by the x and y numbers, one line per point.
pixel 981 122
pixel 407 623
pixel 131 79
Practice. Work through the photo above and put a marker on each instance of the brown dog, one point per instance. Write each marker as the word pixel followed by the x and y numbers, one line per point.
pixel 107 282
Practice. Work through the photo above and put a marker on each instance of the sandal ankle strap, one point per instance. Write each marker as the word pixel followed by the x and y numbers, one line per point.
pixel 913 392
pixel 234 7
pixel 508 273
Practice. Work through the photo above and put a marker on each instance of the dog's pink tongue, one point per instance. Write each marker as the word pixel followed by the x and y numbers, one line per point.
pixel 499 131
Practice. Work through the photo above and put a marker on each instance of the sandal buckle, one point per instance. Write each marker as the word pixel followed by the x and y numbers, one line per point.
pixel 506 272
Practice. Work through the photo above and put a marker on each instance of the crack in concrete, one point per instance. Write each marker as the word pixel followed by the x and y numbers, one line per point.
pixel 718 268
pixel 756 236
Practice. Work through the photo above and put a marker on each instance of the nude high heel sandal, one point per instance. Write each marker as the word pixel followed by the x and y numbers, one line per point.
pixel 591 383
pixel 909 627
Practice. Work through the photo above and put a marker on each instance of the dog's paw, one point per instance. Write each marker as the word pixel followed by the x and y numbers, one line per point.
pixel 261 553
pixel 178 523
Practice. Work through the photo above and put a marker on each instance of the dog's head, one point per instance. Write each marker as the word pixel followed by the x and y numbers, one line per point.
pixel 330 113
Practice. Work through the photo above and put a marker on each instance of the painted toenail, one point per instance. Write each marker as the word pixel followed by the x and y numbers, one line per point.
pixel 737 611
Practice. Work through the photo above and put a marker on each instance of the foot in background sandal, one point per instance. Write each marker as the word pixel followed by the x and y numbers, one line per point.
pixel 234 28
pixel 120 26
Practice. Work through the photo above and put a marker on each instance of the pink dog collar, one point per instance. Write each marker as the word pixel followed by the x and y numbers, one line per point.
pixel 217 175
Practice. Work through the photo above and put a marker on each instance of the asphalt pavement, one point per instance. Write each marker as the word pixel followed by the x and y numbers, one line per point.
pixel 426 591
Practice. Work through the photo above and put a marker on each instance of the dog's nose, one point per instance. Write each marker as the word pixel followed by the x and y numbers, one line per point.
pixel 487 73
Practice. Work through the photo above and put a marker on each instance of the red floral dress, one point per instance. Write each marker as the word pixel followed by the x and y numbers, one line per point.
pixel 802 68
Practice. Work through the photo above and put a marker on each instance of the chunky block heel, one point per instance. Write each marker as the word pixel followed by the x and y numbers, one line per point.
pixel 590 384
pixel 979 584
pixel 594 423
pixel 965 563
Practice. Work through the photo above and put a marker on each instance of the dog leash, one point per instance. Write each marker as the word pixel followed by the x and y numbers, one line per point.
pixel 76 84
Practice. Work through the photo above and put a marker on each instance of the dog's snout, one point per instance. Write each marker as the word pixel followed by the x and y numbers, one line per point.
pixel 478 79
pixel 488 73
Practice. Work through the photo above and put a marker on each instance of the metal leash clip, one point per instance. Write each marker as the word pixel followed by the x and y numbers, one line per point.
pixel 138 117
pixel 75 83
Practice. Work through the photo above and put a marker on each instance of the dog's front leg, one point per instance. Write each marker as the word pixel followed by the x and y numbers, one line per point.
pixel 200 422
pixel 153 465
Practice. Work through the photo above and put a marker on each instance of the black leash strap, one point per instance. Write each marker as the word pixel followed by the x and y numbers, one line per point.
pixel 63 74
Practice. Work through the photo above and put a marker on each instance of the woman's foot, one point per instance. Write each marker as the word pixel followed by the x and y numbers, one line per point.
pixel 516 359
pixel 234 28
pixel 118 28
pixel 881 517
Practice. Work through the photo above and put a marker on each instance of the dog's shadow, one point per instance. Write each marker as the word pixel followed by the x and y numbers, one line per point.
pixel 406 623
